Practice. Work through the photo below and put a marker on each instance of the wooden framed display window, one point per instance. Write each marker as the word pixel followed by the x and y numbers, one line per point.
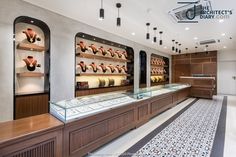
pixel 159 70
pixel 31 67
pixel 101 65
pixel 143 69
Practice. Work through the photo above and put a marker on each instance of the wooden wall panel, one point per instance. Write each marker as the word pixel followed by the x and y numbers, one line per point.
pixel 210 68
pixel 31 105
pixel 199 63
pixel 196 69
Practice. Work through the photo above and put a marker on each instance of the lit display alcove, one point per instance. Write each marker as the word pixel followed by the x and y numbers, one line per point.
pixel 101 65
pixel 31 67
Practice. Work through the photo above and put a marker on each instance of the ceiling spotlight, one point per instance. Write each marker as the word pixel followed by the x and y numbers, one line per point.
pixel 165 47
pixel 187 28
pixel 223 34
pixel 118 20
pixel 133 33
pixel 160 42
pixel 173 46
pixel 195 38
pixel 195 49
pixel 179 48
pixel 206 49
pixel 224 47
pixel 31 21
pixel 101 12
pixel 176 47
pixel 155 35
pixel 148 34
pixel 221 20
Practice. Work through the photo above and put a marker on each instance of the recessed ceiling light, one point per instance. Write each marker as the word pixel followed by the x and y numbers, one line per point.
pixel 187 28
pixel 165 47
pixel 195 38
pixel 133 33
pixel 223 34
pixel 31 21
pixel 224 47
pixel 221 20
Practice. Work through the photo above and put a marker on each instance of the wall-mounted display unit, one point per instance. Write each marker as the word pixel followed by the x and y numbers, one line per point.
pixel 101 65
pixel 142 69
pixel 31 67
pixel 159 70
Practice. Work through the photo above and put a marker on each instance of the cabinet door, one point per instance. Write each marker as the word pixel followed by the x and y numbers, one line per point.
pixel 227 78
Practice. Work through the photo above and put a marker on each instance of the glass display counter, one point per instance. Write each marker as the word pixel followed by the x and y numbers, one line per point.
pixel 81 107
pixel 77 108
pixel 163 89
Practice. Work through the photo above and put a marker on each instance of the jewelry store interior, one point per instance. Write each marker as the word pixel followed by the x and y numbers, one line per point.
pixel 111 78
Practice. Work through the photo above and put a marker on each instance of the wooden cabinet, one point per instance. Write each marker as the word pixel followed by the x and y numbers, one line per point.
pixel 87 134
pixel 160 103
pixel 142 112
pixel 200 87
pixel 37 136
pixel 30 105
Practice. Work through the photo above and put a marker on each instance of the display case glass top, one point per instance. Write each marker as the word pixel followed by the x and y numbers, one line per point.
pixel 77 108
pixel 68 110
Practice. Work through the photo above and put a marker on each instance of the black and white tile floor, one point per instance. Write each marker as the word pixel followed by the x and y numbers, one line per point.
pixel 191 133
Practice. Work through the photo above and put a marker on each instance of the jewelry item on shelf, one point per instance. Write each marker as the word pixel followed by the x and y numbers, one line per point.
pixel 153 61
pixel 103 67
pixel 83 66
pixel 82 85
pixel 124 68
pixel 94 49
pixel 119 69
pixel 111 82
pixel 157 79
pixel 125 54
pixel 125 82
pixel 111 52
pixel 101 82
pixel 82 46
pixel 31 35
pixel 112 68
pixel 102 50
pixel 94 67
pixel 31 63
pixel 153 79
pixel 119 54
pixel 164 71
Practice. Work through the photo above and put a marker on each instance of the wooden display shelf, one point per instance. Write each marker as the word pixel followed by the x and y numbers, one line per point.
pixel 92 56
pixel 96 74
pixel 159 83
pixel 30 47
pixel 30 74
pixel 159 75
pixel 154 65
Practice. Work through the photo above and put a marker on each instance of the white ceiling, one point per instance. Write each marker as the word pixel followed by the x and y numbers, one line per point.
pixel 134 15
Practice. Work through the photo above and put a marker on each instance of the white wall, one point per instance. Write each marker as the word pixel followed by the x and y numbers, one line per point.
pixel 224 57
pixel 63 31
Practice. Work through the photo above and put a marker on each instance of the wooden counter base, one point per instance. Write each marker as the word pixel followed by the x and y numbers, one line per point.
pixel 200 87
pixel 45 136
pixel 87 134
pixel 37 136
